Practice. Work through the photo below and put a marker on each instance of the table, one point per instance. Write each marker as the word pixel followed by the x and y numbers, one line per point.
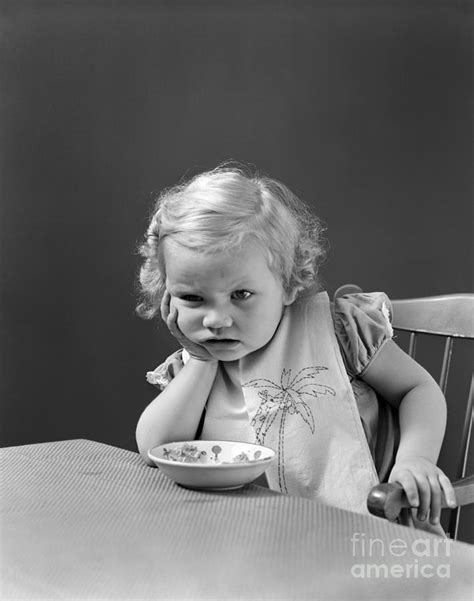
pixel 84 520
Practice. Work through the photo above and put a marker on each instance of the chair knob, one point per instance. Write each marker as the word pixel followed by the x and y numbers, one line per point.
pixel 387 500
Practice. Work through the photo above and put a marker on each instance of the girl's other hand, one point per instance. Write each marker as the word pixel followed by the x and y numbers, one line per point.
pixel 169 314
pixel 423 483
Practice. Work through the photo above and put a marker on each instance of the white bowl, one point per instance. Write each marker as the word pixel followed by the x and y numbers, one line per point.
pixel 212 464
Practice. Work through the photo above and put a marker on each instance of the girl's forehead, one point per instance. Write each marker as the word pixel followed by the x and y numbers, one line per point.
pixel 175 252
pixel 182 264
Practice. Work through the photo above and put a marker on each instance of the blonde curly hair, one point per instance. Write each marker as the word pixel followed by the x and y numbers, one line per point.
pixel 218 211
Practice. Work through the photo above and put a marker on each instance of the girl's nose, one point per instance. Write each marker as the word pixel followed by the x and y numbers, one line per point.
pixel 216 319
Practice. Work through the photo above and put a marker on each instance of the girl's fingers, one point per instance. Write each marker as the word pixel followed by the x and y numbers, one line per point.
pixel 409 486
pixel 424 488
pixel 435 509
pixel 424 494
pixel 447 489
pixel 172 321
pixel 165 305
pixel 170 316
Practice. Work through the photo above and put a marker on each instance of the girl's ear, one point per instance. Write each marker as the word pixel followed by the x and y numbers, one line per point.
pixel 289 296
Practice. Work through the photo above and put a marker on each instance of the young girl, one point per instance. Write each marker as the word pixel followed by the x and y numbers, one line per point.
pixel 231 262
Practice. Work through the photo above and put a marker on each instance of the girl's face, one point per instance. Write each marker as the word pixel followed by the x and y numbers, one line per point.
pixel 230 303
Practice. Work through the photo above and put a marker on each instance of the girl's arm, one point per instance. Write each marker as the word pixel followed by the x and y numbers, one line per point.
pixel 422 414
pixel 175 413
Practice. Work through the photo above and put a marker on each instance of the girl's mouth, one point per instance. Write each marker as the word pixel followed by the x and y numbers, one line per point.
pixel 222 343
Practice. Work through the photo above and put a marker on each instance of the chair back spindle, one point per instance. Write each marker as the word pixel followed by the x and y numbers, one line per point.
pixel 412 345
pixel 448 351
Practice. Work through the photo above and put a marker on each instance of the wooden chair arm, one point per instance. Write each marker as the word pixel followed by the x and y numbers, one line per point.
pixel 387 500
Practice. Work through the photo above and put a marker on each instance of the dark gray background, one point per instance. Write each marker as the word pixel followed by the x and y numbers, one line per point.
pixel 364 108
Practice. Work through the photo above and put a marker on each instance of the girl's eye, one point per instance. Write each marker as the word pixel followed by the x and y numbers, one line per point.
pixel 191 298
pixel 241 294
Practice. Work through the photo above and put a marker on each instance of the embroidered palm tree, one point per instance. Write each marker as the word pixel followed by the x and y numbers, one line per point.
pixel 278 400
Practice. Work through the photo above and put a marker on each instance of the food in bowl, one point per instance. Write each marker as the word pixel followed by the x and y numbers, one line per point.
pixel 189 453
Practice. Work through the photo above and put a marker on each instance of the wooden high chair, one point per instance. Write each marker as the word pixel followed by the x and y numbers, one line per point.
pixel 451 317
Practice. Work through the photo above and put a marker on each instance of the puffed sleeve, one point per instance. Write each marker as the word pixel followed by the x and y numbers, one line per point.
pixel 164 373
pixel 362 324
